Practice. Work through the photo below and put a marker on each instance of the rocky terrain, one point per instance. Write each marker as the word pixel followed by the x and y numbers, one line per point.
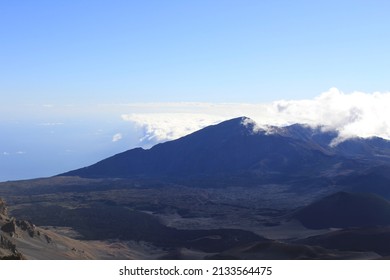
pixel 8 229
pixel 20 239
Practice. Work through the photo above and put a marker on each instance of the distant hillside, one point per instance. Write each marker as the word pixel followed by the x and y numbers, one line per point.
pixel 371 180
pixel 235 146
pixel 376 239
pixel 343 210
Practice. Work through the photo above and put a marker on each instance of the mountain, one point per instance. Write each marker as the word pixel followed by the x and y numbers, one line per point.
pixel 230 148
pixel 368 239
pixel 343 210
pixel 372 148
pixel 355 147
pixel 374 179
pixel 238 152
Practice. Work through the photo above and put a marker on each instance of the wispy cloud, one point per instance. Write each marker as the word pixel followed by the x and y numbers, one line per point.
pixel 51 123
pixel 116 137
pixel 13 153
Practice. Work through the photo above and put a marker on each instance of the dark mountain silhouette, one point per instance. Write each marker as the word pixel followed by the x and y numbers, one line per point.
pixel 276 250
pixel 375 239
pixel 356 147
pixel 232 147
pixel 366 148
pixel 343 210
pixel 372 180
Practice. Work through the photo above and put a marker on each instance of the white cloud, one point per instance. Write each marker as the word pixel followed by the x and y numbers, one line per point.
pixel 160 127
pixel 353 114
pixel 51 123
pixel 13 153
pixel 117 137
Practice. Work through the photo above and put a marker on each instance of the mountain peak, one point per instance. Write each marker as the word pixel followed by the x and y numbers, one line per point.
pixel 237 126
pixel 243 124
pixel 239 121
pixel 248 122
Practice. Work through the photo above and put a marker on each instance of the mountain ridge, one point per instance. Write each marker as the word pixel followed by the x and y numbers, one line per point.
pixel 238 146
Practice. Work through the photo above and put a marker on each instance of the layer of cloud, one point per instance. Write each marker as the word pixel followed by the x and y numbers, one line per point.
pixel 159 127
pixel 355 114
pixel 352 114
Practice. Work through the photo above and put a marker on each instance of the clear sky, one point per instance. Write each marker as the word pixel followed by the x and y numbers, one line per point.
pixel 211 51
pixel 81 80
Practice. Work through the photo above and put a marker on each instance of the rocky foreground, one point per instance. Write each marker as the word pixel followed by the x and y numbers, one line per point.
pixel 8 230
pixel 20 239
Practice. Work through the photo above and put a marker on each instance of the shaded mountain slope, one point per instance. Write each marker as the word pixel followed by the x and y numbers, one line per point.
pixel 239 151
pixel 276 250
pixel 342 210
pixel 232 147
pixel 373 148
pixel 375 239
pixel 371 180
pixel 102 222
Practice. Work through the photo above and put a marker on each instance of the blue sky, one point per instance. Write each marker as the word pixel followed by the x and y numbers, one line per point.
pixel 68 68
pixel 209 51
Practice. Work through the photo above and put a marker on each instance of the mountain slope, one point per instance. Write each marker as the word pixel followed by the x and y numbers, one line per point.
pixel 343 209
pixel 20 239
pixel 231 147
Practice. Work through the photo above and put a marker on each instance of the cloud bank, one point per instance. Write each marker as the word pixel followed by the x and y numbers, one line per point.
pixel 351 114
